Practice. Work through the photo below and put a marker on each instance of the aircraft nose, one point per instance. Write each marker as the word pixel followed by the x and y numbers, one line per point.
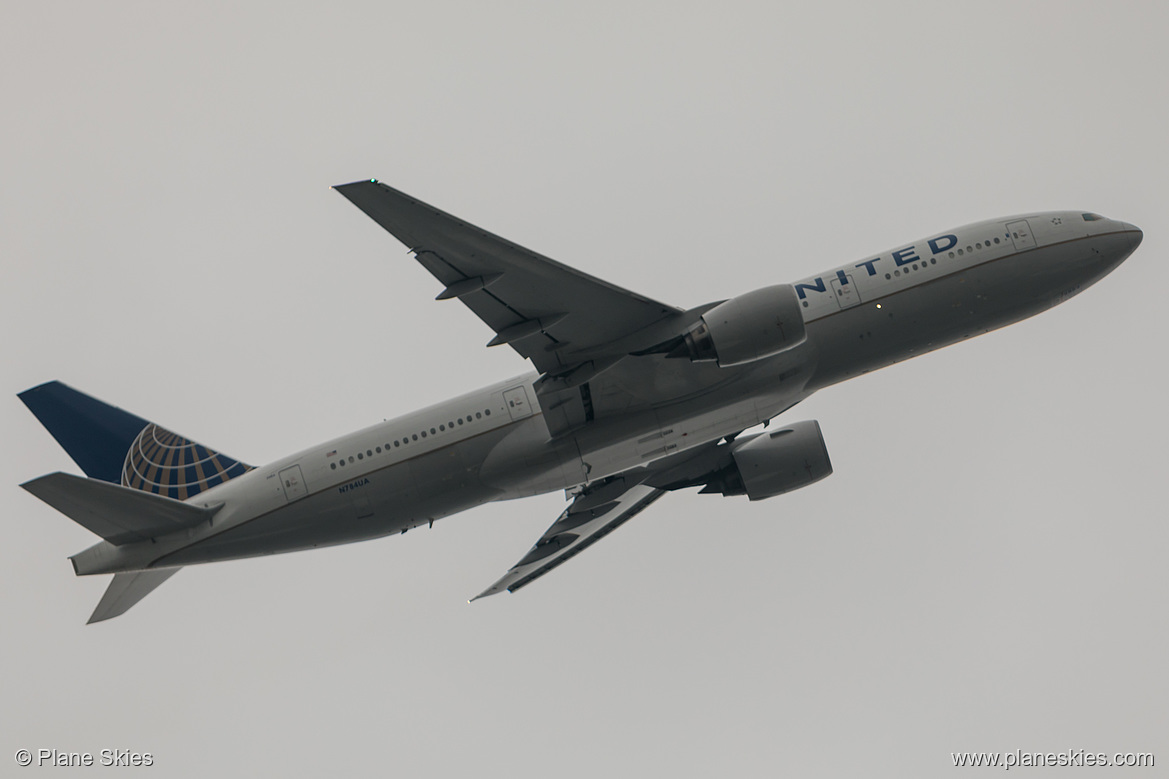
pixel 1134 234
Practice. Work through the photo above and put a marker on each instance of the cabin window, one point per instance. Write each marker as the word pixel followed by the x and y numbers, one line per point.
pixel 888 276
pixel 487 411
pixel 333 466
pixel 379 450
pixel 359 457
pixel 442 427
pixel 951 255
pixel 396 443
pixel 996 240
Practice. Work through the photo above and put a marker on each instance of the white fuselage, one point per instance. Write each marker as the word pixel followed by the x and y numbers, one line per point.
pixel 493 444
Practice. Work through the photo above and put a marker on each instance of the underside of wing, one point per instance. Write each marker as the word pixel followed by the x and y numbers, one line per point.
pixel 604 506
pixel 557 317
pixel 591 517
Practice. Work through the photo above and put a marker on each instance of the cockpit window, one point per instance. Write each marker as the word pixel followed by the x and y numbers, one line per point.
pixel 1092 217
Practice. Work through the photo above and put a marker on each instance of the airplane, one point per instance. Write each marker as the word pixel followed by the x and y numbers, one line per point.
pixel 630 398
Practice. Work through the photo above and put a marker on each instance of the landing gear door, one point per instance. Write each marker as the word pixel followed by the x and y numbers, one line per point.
pixel 293 483
pixel 1020 233
pixel 845 294
pixel 516 399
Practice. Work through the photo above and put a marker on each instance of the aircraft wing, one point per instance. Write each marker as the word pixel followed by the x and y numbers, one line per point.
pixel 606 505
pixel 589 518
pixel 557 317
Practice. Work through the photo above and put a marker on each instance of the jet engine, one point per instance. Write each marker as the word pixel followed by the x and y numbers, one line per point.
pixel 746 328
pixel 772 463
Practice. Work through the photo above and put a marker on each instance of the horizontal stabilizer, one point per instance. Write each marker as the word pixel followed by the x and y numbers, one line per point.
pixel 120 515
pixel 126 589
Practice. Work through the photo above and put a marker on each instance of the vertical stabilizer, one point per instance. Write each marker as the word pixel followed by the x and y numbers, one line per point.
pixel 96 435
pixel 116 446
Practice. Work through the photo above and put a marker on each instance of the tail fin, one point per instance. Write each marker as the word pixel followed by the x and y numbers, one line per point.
pixel 126 589
pixel 116 446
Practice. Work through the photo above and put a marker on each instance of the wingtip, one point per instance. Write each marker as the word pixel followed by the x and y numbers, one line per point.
pixel 101 613
pixel 492 590
pixel 339 187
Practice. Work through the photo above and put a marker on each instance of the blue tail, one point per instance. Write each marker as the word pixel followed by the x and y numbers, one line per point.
pixel 116 446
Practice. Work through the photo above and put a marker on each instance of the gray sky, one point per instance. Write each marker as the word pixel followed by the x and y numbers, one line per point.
pixel 984 571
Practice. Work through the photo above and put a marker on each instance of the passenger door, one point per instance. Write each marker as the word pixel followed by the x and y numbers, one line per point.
pixel 1021 235
pixel 293 483
pixel 516 399
pixel 845 294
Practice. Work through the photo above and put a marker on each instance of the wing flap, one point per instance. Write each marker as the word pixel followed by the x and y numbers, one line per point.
pixel 557 316
pixel 120 515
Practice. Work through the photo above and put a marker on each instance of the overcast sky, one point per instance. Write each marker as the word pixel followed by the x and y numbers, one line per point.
pixel 986 569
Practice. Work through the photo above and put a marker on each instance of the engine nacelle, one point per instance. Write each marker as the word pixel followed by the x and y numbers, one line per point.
pixel 774 462
pixel 749 327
